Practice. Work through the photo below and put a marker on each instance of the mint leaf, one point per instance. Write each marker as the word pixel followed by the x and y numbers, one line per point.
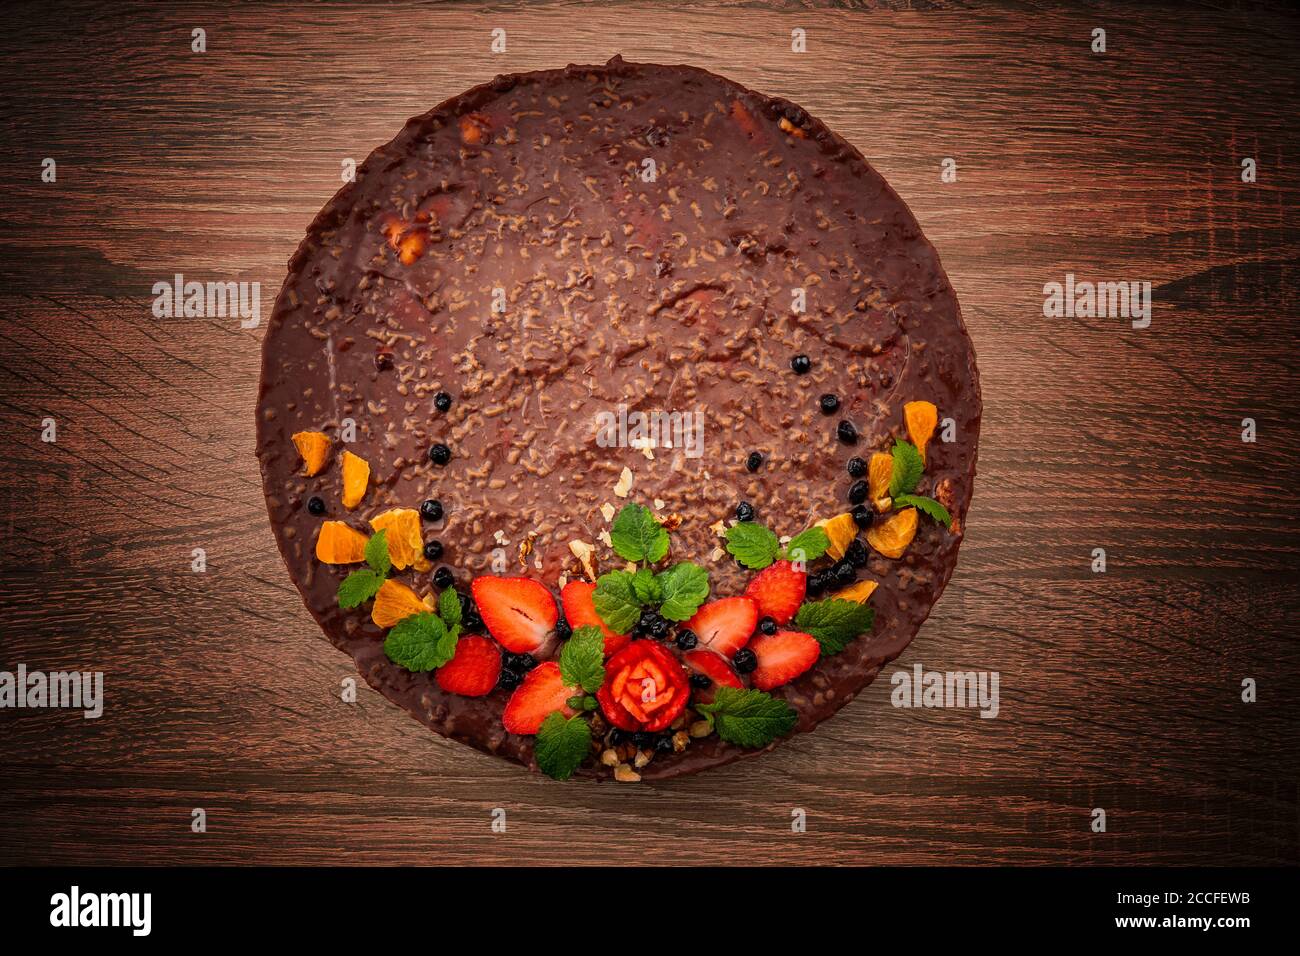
pixel 927 505
pixel 562 744
pixel 582 659
pixel 377 552
pixel 420 643
pixel 684 588
pixel 835 622
pixel 646 587
pixel 637 536
pixel 449 607
pixel 616 601
pixel 361 585
pixel 753 545
pixel 748 718
pixel 907 469
pixel 809 546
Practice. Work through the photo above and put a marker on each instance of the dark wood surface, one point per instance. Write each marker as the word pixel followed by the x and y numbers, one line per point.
pixel 1118 690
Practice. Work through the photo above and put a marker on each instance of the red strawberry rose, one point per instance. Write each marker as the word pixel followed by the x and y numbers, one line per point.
pixel 645 688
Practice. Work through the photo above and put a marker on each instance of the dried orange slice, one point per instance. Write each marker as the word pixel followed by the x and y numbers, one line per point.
pixel 405 543
pixel 859 592
pixel 395 602
pixel 356 476
pixel 892 536
pixel 879 472
pixel 921 418
pixel 840 531
pixel 314 448
pixel 337 543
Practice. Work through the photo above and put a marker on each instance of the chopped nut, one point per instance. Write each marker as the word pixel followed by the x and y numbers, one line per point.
pixel 659 504
pixel 643 757
pixel 680 740
pixel 625 774
pixel 624 483
pixel 607 511
pixel 583 552
pixel 701 728
pixel 609 758
pixel 672 522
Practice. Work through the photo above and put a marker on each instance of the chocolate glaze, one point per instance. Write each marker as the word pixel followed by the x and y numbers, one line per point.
pixel 670 295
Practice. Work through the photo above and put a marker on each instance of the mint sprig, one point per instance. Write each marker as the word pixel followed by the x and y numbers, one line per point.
pixel 752 545
pixel 449 608
pixel 582 659
pixel 927 506
pixel 748 718
pixel 908 467
pixel 808 545
pixel 421 642
pixel 616 601
pixel 835 622
pixel 682 589
pixel 364 583
pixel 562 744
pixel 637 535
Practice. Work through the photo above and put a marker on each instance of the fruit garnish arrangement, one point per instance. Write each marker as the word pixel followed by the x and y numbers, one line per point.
pixel 644 660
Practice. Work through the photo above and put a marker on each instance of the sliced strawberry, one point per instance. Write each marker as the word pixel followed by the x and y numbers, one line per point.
pixel 782 657
pixel 519 613
pixel 580 611
pixel 712 666
pixel 474 669
pixel 725 626
pixel 541 694
pixel 778 590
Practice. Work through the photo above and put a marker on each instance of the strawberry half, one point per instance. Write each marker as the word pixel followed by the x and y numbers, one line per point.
pixel 474 670
pixel 711 666
pixel 778 590
pixel 541 694
pixel 580 611
pixel 782 657
pixel 725 626
pixel 518 612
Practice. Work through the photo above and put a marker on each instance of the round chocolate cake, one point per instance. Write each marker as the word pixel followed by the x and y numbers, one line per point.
pixel 618 420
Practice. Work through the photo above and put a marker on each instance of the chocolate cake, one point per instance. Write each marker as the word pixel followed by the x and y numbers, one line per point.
pixel 618 420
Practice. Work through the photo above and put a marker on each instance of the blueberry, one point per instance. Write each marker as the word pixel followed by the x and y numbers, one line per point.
pixel 664 744
pixel 508 679
pixel 856 467
pixel 562 629
pixel 443 577
pixel 439 454
pixel 431 509
pixel 845 572
pixel 754 461
pixel 618 737
pixel 830 404
pixel 687 640
pixel 863 516
pixel 767 625
pixel 433 550
pixel 745 661
pixel 856 553
pixel 744 511
pixel 442 401
pixel 659 628
pixel 858 492
pixel 642 739
pixel 847 433
pixel 315 505
pixel 701 681
pixel 801 364
pixel 519 663
pixel 815 584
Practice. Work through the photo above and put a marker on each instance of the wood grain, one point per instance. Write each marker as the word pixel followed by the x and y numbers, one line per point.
pixel 1118 690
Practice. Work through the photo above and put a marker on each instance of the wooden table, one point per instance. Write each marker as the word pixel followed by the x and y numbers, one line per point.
pixel 1119 690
